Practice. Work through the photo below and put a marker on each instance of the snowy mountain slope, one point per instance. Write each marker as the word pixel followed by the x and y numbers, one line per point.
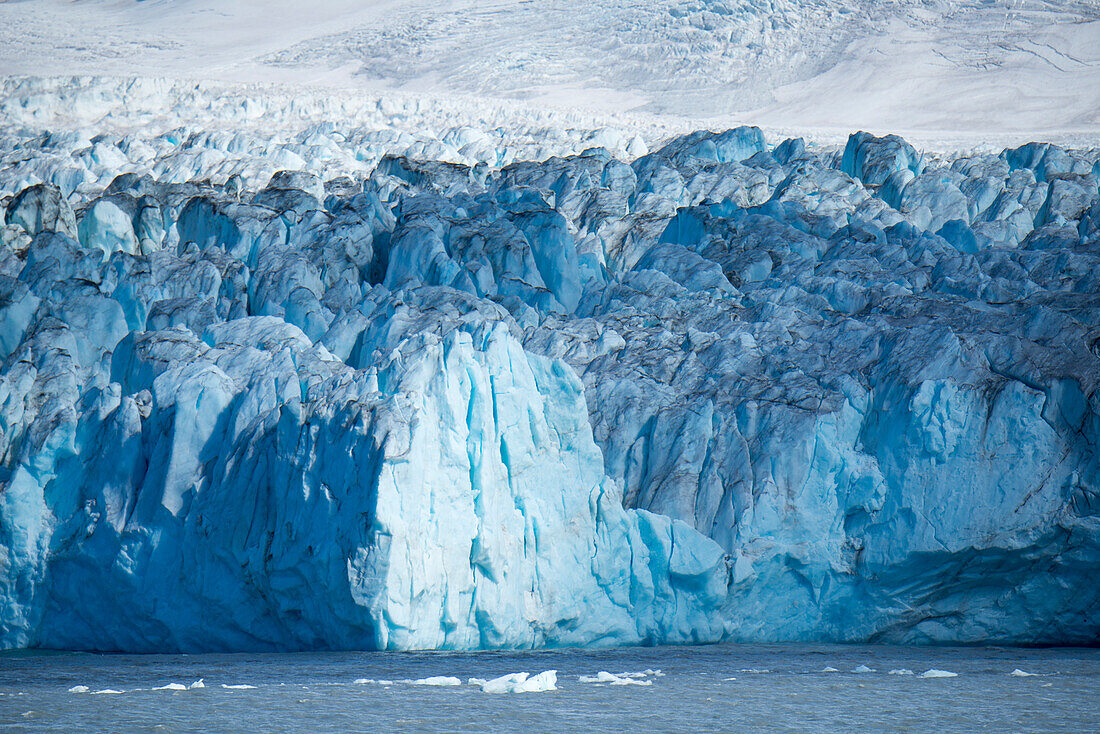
pixel 1008 65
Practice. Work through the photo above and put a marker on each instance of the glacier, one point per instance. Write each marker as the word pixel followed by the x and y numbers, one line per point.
pixel 321 393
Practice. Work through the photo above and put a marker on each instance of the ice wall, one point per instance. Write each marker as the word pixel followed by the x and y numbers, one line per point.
pixel 727 391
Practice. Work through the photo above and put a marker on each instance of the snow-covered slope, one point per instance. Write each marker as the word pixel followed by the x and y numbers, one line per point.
pixel 901 65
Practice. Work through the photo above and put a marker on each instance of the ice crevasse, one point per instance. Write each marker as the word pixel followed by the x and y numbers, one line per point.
pixel 729 391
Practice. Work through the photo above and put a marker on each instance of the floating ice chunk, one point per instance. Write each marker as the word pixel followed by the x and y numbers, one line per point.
pixel 172 687
pixel 729 679
pixel 901 671
pixel 631 682
pixel 476 682
pixel 934 673
pixel 106 690
pixel 239 687
pixel 547 680
pixel 829 669
pixel 78 689
pixel 863 669
pixel 616 680
pixel 438 680
pixel 510 683
pixel 198 684
pixel 362 681
pixel 753 670
pixel 382 682
pixel 602 677
pixel 1017 673
pixel 521 683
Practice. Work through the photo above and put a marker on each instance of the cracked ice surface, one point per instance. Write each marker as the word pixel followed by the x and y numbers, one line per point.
pixel 729 390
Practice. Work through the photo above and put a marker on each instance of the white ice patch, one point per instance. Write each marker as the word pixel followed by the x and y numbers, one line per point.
pixel 624 679
pixel 106 690
pixel 901 671
pixel 863 669
pixel 437 680
pixel 240 687
pixel 521 683
pixel 198 684
pixel 171 687
pixel 934 673
pixel 1017 673
pixel 829 669
pixel 78 689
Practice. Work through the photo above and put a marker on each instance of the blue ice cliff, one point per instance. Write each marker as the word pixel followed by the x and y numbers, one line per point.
pixel 728 391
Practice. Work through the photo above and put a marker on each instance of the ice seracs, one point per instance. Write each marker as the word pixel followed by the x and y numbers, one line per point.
pixel 573 401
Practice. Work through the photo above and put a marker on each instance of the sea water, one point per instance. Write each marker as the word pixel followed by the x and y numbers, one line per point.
pixel 728 688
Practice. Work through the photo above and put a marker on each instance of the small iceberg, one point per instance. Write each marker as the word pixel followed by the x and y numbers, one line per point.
pixel 863 669
pixel 901 671
pixel 1022 674
pixel 106 690
pixel 170 687
pixel 934 673
pixel 830 669
pixel 438 680
pixel 239 687
pixel 616 680
pixel 198 684
pixel 521 683
pixel 78 689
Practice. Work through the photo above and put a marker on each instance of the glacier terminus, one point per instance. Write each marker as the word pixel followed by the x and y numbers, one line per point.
pixel 348 389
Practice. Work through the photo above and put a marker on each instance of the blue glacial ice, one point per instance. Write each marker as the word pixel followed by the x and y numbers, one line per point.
pixel 728 391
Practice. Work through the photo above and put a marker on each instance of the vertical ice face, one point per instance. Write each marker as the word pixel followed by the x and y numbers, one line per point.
pixel 726 392
pixel 252 492
pixel 495 512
